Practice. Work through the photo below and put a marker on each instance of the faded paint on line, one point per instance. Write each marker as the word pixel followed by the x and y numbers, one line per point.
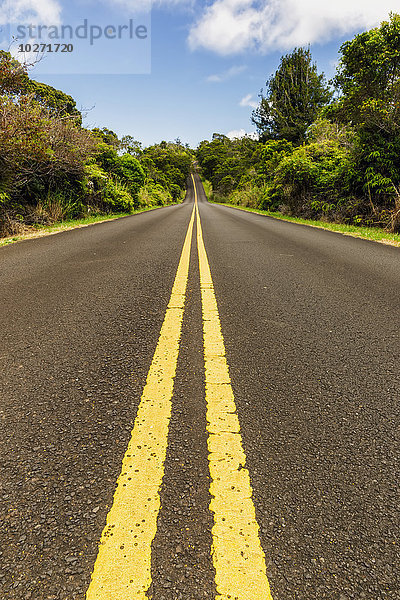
pixel 239 560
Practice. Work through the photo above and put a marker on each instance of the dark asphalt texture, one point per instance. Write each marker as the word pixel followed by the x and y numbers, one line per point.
pixel 310 320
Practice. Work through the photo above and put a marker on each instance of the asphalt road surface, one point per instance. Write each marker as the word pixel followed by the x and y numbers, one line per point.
pixel 261 453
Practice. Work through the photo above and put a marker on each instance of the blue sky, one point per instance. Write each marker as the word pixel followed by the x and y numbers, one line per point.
pixel 208 61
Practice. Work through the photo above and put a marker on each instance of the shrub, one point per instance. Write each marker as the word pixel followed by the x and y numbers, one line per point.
pixel 130 171
pixel 126 168
pixel 312 178
pixel 106 156
pixel 272 153
pixel 153 194
pixel 39 153
pixel 117 198
pixel 168 165
pixel 250 196
pixel 295 178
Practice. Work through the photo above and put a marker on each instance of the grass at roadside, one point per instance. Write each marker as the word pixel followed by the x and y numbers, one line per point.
pixel 207 187
pixel 42 230
pixel 367 233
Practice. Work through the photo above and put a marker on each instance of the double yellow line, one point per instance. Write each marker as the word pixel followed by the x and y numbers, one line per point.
pixel 123 567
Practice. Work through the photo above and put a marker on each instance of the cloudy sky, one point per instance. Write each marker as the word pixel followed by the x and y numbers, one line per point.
pixel 202 66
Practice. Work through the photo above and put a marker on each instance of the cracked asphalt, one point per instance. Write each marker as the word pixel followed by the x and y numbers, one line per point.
pixel 310 321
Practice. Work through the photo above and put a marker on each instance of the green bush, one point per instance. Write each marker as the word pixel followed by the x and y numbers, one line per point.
pixel 272 153
pixel 227 163
pixel 117 198
pixel 295 178
pixel 377 164
pixel 130 171
pixel 106 156
pixel 167 165
pixel 126 168
pixel 153 194
pixel 95 177
pixel 104 191
pixel 250 196
pixel 317 172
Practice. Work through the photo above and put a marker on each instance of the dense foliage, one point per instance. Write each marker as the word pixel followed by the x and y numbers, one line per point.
pixel 228 164
pixel 317 156
pixel 294 95
pixel 51 168
pixel 168 167
pixel 335 159
pixel 368 78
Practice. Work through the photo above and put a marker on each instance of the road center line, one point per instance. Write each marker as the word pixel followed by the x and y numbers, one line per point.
pixel 239 561
pixel 122 569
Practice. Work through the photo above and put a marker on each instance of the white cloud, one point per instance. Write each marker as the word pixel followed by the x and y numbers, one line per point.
pixel 46 12
pixel 241 133
pixel 135 6
pixel 248 101
pixel 226 75
pixel 233 26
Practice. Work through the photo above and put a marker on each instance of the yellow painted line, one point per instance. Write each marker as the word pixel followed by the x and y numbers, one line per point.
pixel 239 560
pixel 122 569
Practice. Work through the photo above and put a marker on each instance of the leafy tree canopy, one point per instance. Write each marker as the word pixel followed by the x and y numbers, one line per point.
pixel 368 78
pixel 225 162
pixel 15 81
pixel 107 136
pixel 294 96
pixel 59 103
pixel 130 145
pixel 13 75
pixel 168 164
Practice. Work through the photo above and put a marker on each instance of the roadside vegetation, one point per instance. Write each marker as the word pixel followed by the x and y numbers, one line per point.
pixel 54 170
pixel 64 225
pixel 325 152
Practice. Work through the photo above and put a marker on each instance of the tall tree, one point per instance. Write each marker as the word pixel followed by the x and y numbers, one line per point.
pixel 368 78
pixel 293 98
pixel 107 136
pixel 58 103
pixel 15 81
pixel 368 81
